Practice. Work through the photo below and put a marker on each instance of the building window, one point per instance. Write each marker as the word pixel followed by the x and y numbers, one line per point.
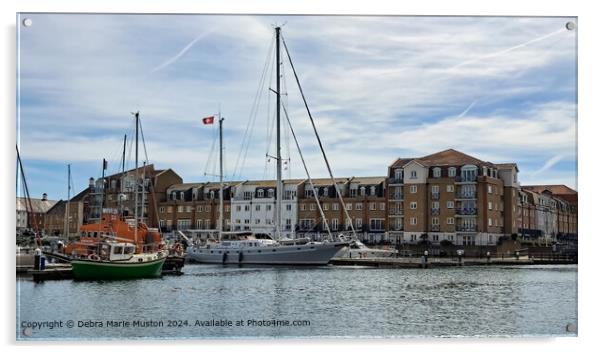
pixel 435 221
pixel 413 205
pixel 335 224
pixel 372 206
pixel 257 221
pixel 450 205
pixel 358 223
pixel 490 205
pixel 413 189
pixel 260 193
pixel 257 207
pixel 227 207
pixel 435 205
pixel 382 206
pixel 312 207
pixel 162 209
pixel 372 191
pixel 435 189
pixel 180 209
pixel 377 224
pixel 490 222
pixel 335 206
pixel 325 206
pixel 247 207
pixel 353 192
pixel 489 189
pixel 450 188
pixel 413 175
pixel 289 207
pixel 451 172
pixel 450 221
pixel 398 174
pixel 359 206
pixel 436 172
pixel 348 206
pixel 189 209
pixel 413 221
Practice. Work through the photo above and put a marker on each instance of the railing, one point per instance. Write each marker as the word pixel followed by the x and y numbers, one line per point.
pixel 396 212
pixel 466 195
pixel 466 179
pixel 435 196
pixel 394 180
pixel 435 211
pixel 435 227
pixel 466 211
pixel 397 196
pixel 464 228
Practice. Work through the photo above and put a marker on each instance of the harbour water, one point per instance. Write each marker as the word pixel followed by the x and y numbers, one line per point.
pixel 212 301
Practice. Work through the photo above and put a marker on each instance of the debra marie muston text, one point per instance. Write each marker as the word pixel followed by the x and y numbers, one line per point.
pixel 120 324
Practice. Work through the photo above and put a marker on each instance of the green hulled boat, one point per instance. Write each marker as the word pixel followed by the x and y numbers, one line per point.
pixel 118 261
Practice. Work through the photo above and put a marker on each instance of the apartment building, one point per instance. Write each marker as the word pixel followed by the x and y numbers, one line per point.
pixel 445 196
pixel 254 207
pixel 552 212
pixel 79 212
pixel 195 206
pixel 118 193
pixel 363 210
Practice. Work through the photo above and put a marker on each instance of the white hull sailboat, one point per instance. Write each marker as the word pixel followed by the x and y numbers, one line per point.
pixel 249 248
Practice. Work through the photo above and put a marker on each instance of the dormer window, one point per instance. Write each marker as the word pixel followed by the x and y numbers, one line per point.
pixel 212 194
pixel 173 195
pixel 373 191
pixel 270 193
pixel 399 174
pixel 436 172
pixel 260 193
pixel 362 191
pixel 451 172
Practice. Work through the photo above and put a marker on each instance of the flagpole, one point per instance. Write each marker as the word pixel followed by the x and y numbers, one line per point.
pixel 221 177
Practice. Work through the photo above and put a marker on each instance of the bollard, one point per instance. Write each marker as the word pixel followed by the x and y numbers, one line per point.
pixel 42 262
pixel 488 257
pixel 517 254
pixel 37 259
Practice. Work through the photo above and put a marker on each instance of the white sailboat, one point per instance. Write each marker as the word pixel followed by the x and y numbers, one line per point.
pixel 251 248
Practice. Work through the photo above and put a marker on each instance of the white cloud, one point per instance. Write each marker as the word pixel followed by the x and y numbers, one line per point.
pixel 379 87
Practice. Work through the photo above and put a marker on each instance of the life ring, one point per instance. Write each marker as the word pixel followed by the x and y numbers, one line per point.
pixel 178 248
pixel 93 257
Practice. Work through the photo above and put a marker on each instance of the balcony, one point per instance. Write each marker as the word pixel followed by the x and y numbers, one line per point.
pixel 435 196
pixel 435 227
pixel 466 228
pixel 396 212
pixel 396 196
pixel 466 212
pixel 394 180
pixel 466 179
pixel 435 211
pixel 466 195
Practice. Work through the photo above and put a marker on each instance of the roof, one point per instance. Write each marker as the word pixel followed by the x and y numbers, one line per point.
pixel 557 189
pixel 449 157
pixel 400 162
pixel 368 180
pixel 148 168
pixel 328 181
pixel 184 186
pixel 38 205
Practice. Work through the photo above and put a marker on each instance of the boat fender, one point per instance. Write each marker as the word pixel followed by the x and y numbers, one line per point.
pixel 224 258
pixel 93 257
pixel 240 257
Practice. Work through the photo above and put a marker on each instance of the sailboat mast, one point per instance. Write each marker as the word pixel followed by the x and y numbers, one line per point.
pixel 68 201
pixel 278 157
pixel 221 178
pixel 137 115
pixel 122 183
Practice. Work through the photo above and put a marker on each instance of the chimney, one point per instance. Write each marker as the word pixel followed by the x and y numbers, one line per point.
pixel 44 197
pixel 91 182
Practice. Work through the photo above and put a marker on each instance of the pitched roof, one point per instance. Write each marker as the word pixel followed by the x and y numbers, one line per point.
pixel 38 205
pixel 368 180
pixel 558 189
pixel 400 162
pixel 449 157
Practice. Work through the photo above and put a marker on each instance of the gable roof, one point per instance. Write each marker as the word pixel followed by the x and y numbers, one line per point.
pixel 557 189
pixel 450 157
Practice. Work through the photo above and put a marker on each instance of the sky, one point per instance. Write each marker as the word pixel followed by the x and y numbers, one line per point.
pixel 502 89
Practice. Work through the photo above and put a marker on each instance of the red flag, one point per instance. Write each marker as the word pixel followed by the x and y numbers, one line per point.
pixel 208 120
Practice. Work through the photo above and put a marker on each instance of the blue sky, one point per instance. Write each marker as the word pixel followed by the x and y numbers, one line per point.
pixel 499 88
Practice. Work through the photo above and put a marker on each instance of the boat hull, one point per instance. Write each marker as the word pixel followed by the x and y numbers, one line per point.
pixel 308 254
pixel 100 270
